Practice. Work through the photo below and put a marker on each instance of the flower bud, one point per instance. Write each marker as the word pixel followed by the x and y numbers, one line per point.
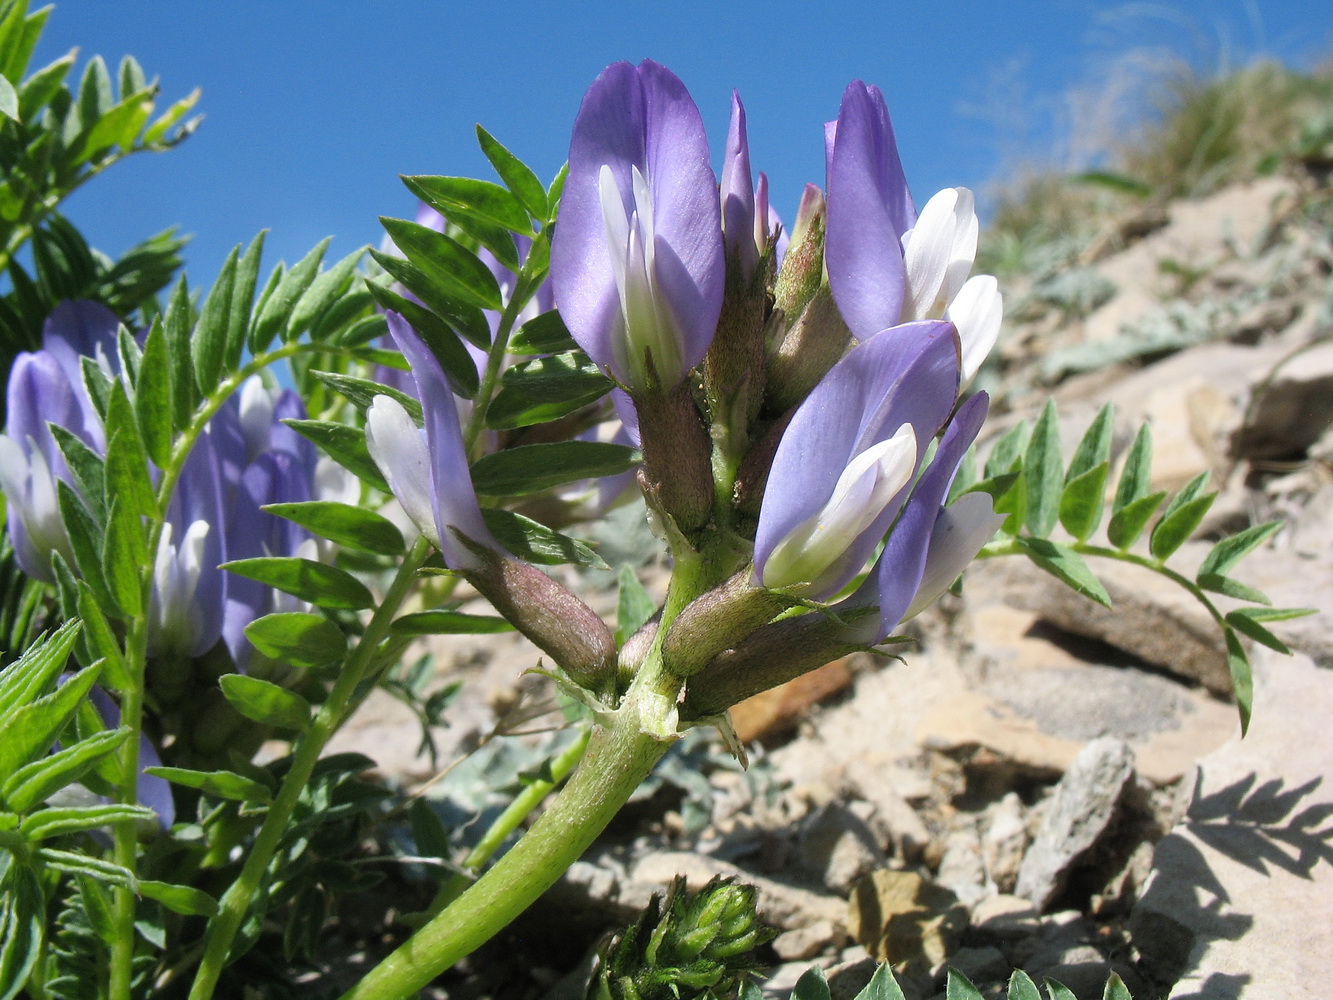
pixel 773 655
pixel 718 620
pixel 810 347
pixel 556 621
pixel 677 473
pixel 802 268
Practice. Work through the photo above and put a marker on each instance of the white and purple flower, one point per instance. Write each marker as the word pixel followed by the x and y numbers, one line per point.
pixel 637 260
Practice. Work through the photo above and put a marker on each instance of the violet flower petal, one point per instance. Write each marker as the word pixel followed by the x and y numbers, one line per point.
pixel 639 131
pixel 869 209
pixel 906 375
pixel 738 194
pixel 151 791
pixel 453 500
pixel 896 577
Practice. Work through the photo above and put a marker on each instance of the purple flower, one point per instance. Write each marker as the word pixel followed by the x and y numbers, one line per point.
pixel 869 209
pixel 887 266
pixel 427 469
pixel 46 387
pixel 845 464
pixel 261 461
pixel 186 606
pixel 930 544
pixel 637 259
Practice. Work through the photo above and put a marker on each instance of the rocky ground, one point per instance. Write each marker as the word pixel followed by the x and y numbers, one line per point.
pixel 1041 784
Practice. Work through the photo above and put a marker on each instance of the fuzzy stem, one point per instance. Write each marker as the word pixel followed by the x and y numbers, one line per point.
pixel 617 761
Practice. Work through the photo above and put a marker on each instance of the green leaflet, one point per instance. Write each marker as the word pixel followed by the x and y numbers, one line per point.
pixel 1065 565
pixel 180 899
pixel 536 467
pixel 516 175
pixel 543 334
pixel 534 392
pixel 343 524
pixel 298 638
pixel 449 623
pixel 446 262
pixel 316 582
pixel 221 784
pixel 535 543
pixel 634 605
pixel 35 782
pixel 1043 473
pixel 265 702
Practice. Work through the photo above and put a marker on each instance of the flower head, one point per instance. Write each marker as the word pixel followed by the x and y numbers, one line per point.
pixel 637 258
pixel 46 387
pixel 427 468
pixel 846 461
pixel 886 265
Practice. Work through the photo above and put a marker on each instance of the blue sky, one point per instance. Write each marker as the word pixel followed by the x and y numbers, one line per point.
pixel 313 107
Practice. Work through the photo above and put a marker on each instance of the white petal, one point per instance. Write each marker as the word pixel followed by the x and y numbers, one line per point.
pixel 398 447
pixel 964 250
pixel 256 406
pixel 14 473
pixel 927 253
pixel 976 311
pixel 335 482
pixel 959 533
pixel 864 489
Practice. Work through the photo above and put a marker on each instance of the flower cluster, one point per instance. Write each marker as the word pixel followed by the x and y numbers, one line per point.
pixel 245 458
pixel 797 400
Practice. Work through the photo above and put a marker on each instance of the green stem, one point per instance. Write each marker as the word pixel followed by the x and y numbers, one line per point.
pixel 1012 548
pixel 508 821
pixel 617 761
pixel 524 289
pixel 126 836
pixel 236 901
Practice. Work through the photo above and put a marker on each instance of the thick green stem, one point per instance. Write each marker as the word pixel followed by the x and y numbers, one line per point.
pixel 617 761
pixel 236 901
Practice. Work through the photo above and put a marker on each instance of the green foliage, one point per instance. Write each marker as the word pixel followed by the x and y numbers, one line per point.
pixel 535 468
pixel 883 986
pixel 57 132
pixel 685 946
pixel 36 711
pixel 1023 474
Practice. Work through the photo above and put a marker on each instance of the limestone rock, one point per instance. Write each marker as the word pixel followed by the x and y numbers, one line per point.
pixel 893 818
pixel 1005 841
pixel 805 942
pixel 1292 407
pixel 1005 918
pixel 1082 807
pixel 1043 694
pixel 838 846
pixel 1243 887
pixel 962 869
pixel 901 917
